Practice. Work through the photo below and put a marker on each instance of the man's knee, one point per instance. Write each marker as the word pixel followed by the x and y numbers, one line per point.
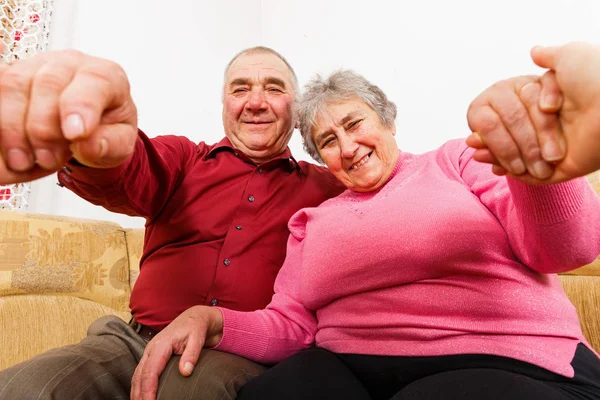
pixel 217 375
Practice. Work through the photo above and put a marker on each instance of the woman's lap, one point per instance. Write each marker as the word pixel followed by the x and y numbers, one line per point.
pixel 317 373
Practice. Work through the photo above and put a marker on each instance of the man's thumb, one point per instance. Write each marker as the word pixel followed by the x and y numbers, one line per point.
pixel 545 56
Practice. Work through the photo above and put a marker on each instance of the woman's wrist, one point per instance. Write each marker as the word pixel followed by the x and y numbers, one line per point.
pixel 215 327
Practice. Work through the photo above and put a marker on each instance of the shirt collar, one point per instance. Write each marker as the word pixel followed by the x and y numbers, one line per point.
pixel 286 158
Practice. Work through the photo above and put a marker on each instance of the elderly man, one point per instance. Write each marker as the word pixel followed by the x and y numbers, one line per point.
pixel 216 215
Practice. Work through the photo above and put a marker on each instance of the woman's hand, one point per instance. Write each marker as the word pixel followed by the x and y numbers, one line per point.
pixel 542 129
pixel 195 328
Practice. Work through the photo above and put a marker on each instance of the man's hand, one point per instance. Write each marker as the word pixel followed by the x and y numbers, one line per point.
pixel 61 104
pixel 556 116
pixel 194 329
pixel 513 133
pixel 576 67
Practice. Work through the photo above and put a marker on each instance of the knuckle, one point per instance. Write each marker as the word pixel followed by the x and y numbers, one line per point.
pixel 51 79
pixel 485 121
pixel 15 80
pixel 41 130
pixel 69 54
pixel 547 124
pixel 532 153
pixel 513 115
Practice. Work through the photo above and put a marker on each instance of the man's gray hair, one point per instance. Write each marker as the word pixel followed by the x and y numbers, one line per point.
pixel 262 50
pixel 341 85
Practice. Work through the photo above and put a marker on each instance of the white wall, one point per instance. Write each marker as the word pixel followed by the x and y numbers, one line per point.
pixel 431 57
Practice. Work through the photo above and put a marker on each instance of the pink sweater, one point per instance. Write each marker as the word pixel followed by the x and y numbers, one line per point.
pixel 446 258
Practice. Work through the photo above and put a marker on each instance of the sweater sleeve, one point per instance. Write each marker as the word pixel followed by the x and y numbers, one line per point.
pixel 139 187
pixel 551 228
pixel 283 328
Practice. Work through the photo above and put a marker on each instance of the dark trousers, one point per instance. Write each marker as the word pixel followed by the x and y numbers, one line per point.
pixel 317 373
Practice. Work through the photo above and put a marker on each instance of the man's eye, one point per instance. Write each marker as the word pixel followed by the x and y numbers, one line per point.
pixel 275 89
pixel 239 90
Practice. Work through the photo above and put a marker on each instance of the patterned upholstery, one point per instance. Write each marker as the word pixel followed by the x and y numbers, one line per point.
pixel 59 274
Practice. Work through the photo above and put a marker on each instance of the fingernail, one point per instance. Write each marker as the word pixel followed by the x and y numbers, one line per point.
pixel 552 152
pixel 73 127
pixel 18 160
pixel 542 170
pixel 103 147
pixel 549 102
pixel 45 159
pixel 530 86
pixel 517 167
pixel 475 136
pixel 188 367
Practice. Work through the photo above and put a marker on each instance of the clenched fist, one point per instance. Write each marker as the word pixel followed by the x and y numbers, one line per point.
pixel 58 105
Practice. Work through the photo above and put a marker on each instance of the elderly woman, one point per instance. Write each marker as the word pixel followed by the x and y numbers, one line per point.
pixel 429 278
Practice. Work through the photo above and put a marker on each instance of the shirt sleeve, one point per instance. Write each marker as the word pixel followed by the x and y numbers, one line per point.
pixel 551 228
pixel 284 327
pixel 142 185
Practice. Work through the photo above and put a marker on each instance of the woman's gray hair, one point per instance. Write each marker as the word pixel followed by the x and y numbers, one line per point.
pixel 341 85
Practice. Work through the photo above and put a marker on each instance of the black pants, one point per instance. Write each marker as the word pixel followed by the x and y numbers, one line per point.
pixel 316 373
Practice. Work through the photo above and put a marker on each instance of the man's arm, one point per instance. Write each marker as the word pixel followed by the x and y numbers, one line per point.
pixel 140 186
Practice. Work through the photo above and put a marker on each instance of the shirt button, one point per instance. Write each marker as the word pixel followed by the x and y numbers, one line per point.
pixel 238 227
pixel 214 302
pixel 251 199
pixel 259 170
pixel 226 262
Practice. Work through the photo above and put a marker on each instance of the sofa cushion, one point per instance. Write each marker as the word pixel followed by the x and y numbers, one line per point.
pixel 41 254
pixel 33 324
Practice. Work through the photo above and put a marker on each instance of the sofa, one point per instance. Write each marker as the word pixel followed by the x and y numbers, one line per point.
pixel 59 274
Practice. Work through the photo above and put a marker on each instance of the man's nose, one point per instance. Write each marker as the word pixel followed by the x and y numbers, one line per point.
pixel 256 100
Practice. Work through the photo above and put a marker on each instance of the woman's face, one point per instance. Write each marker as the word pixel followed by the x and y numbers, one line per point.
pixel 356 147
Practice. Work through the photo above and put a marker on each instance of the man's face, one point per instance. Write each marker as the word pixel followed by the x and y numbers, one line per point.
pixel 258 105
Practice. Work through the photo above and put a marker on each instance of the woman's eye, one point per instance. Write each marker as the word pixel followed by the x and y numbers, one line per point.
pixel 327 142
pixel 354 123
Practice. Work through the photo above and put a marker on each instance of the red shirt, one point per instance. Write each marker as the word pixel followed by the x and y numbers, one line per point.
pixel 216 223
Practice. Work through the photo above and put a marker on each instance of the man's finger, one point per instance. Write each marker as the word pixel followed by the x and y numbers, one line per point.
pixel 15 88
pixel 96 88
pixel 43 119
pixel 8 177
pixel 108 146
